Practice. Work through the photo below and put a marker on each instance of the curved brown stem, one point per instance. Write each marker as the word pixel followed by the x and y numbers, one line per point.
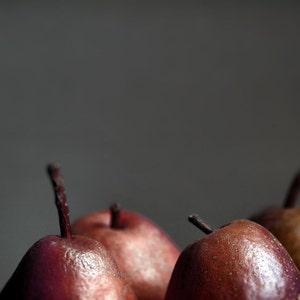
pixel 57 181
pixel 115 211
pixel 293 192
pixel 201 224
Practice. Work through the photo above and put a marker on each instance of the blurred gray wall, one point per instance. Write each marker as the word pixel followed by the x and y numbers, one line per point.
pixel 168 108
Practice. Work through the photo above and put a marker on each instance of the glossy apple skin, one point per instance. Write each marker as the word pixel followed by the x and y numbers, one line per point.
pixel 239 261
pixel 142 250
pixel 284 223
pixel 61 269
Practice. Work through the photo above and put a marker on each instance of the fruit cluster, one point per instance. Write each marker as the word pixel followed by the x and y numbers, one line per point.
pixel 116 254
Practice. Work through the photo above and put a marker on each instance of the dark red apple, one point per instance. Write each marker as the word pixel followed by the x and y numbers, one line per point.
pixel 241 260
pixel 66 266
pixel 284 222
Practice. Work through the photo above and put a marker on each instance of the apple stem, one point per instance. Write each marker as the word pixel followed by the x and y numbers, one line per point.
pixel 57 181
pixel 201 224
pixel 115 210
pixel 293 192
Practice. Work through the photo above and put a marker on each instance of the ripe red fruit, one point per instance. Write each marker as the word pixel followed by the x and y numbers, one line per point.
pixel 142 250
pixel 284 222
pixel 241 260
pixel 67 266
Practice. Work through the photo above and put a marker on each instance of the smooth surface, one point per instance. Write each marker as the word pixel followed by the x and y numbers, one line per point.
pixel 67 268
pixel 242 261
pixel 169 109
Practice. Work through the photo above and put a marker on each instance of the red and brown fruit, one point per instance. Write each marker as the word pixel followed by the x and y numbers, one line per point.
pixel 284 222
pixel 66 267
pixel 142 250
pixel 241 260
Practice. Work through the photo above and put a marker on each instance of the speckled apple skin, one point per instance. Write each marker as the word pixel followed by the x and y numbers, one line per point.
pixel 284 223
pixel 241 261
pixel 67 269
pixel 141 249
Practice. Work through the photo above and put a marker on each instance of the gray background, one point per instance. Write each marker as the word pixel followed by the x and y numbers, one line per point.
pixel 168 108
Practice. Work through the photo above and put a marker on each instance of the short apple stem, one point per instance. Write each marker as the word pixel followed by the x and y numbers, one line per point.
pixel 60 199
pixel 202 225
pixel 293 192
pixel 115 210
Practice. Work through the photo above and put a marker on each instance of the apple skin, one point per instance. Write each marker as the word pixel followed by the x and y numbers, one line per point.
pixel 66 267
pixel 57 268
pixel 284 223
pixel 242 260
pixel 141 249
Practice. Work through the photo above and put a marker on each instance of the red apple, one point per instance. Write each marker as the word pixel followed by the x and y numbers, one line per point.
pixel 241 260
pixel 284 222
pixel 66 267
pixel 143 251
